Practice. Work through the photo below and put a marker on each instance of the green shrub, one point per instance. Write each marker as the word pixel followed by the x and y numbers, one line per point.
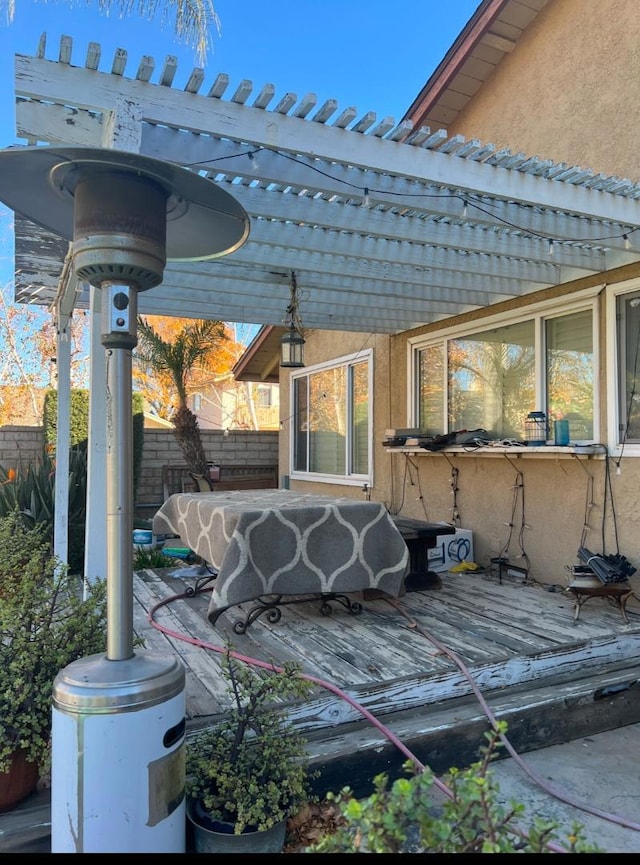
pixel 471 821
pixel 79 424
pixel 47 620
pixel 251 769
pixel 78 417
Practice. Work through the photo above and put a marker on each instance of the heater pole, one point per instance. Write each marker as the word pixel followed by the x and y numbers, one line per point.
pixel 119 337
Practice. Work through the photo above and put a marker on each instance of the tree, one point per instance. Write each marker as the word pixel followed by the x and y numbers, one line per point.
pixel 28 357
pixel 192 23
pixel 192 19
pixel 192 350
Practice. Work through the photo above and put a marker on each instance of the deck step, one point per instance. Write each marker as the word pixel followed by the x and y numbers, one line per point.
pixel 27 829
pixel 440 735
pixel 450 734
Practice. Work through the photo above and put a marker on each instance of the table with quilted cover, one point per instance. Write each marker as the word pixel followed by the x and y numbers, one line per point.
pixel 279 542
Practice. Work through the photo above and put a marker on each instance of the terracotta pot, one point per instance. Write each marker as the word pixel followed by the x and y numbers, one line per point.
pixel 211 836
pixel 19 782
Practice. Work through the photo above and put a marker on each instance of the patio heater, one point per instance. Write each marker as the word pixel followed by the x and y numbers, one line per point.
pixel 119 718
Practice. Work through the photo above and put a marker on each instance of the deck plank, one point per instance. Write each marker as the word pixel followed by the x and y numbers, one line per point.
pixel 384 658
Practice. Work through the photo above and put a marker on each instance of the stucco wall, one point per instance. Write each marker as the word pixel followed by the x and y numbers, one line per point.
pixel 326 345
pixel 569 89
pixel 546 507
pixel 543 509
pixel 556 500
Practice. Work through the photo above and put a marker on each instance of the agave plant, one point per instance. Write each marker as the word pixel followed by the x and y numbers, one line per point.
pixel 29 489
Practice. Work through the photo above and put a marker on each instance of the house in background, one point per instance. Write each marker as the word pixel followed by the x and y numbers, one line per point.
pixel 449 278
pixel 154 421
pixel 233 404
pixel 259 368
pixel 23 406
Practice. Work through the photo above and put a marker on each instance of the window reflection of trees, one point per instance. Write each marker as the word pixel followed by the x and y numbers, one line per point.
pixel 492 380
pixel 432 390
pixel 360 403
pixel 327 421
pixel 629 321
pixel 489 379
pixel 569 364
pixel 332 420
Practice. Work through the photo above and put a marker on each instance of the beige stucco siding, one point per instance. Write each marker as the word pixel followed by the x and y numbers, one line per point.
pixel 561 503
pixel 569 92
pixel 327 345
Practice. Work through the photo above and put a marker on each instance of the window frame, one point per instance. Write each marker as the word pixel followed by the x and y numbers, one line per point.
pixel 616 447
pixel 348 361
pixel 540 313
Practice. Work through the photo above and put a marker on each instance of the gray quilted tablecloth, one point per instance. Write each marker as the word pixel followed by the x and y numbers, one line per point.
pixel 272 542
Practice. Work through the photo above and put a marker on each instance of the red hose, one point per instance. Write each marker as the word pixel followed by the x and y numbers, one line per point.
pixel 553 791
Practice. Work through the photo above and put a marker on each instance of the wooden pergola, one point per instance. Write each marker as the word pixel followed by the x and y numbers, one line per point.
pixel 386 227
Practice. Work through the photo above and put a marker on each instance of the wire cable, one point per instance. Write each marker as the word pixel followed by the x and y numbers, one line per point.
pixel 467 199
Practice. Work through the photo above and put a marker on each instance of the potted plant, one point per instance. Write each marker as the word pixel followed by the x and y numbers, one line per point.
pixel 247 774
pixel 47 620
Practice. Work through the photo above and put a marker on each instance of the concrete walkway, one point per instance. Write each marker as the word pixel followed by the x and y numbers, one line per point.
pixel 600 771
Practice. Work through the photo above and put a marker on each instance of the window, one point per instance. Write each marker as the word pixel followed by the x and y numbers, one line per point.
pixel 491 379
pixel 628 340
pixel 331 420
pixel 264 396
pixel 623 372
pixel 569 370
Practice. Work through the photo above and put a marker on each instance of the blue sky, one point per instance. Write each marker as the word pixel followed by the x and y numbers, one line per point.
pixel 373 54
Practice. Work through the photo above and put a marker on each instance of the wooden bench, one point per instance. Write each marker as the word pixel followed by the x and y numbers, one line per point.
pixel 176 479
pixel 247 477
pixel 421 536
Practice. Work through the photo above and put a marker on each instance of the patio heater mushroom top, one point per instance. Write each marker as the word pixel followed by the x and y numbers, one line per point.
pixel 126 213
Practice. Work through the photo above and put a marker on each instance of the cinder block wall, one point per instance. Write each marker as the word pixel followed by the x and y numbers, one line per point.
pixel 20 444
pixel 242 447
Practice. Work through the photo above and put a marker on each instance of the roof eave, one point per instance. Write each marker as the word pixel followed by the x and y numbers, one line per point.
pixel 477 26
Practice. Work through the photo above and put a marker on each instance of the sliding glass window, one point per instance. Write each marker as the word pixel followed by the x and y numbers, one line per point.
pixel 491 379
pixel 331 423
pixel 628 319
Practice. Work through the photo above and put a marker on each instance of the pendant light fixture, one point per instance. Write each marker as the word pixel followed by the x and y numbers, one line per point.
pixel 292 343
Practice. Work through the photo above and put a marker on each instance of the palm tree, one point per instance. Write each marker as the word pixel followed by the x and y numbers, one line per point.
pixel 193 18
pixel 192 348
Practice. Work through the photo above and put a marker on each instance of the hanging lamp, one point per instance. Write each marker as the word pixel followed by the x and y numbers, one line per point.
pixel 292 343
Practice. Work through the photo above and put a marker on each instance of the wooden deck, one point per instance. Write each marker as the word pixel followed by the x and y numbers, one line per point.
pixel 418 663
pixel 427 668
